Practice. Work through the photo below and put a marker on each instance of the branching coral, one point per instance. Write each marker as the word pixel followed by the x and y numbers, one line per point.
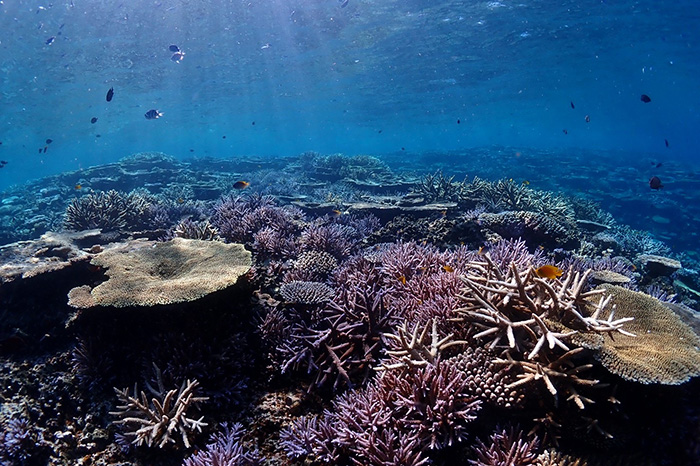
pixel 304 292
pixel 164 419
pixel 507 447
pixel 190 229
pixel 109 211
pixel 438 187
pixel 225 449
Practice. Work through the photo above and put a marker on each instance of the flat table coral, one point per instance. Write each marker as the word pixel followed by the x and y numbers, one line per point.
pixel 664 351
pixel 144 273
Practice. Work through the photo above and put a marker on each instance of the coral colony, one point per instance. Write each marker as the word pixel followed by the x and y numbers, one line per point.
pixel 341 314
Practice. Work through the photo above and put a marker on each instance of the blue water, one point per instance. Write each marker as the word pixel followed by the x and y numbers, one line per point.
pixel 279 77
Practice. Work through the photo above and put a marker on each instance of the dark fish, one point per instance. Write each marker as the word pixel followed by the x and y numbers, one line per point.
pixel 93 120
pixel 110 94
pixel 174 48
pixel 50 40
pixel 645 98
pixel 49 141
pixel 240 184
pixel 191 150
pixel 98 135
pixel 655 183
pixel 658 165
pixel 565 131
pixel 588 119
pixel 223 137
pixel 3 162
pixel 40 150
pixel 458 121
pixel 45 149
pixel 572 105
pixel 152 114
pixel 177 57
pixel 253 123
pixel 665 141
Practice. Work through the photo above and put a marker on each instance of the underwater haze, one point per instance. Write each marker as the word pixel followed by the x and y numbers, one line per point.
pixel 279 77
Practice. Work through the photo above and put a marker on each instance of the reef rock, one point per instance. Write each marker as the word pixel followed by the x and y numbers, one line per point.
pixel 658 266
pixel 51 252
pixel 146 273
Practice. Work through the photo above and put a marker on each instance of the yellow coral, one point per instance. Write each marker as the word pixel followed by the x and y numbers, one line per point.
pixel 149 274
pixel 664 350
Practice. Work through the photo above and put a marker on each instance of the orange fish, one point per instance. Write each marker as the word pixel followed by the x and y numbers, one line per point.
pixel 240 184
pixel 549 271
pixel 335 213
pixel 402 279
pixel 447 268
pixel 78 187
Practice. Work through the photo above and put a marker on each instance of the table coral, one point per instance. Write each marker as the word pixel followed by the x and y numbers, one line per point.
pixel 148 274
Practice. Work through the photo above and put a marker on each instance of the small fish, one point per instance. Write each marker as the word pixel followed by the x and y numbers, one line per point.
pixel 46 148
pixel 3 162
pixel 174 48
pixel 40 150
pixel 447 268
pixel 526 183
pixel 335 213
pixel 645 98
pixel 588 119
pixel 402 279
pixel 78 187
pixel 93 120
pixel 659 165
pixel 572 104
pixel 666 142
pixel 458 121
pixel 549 271
pixel 240 184
pixel 180 200
pixel 98 135
pixel 152 114
pixel 252 123
pixel 177 57
pixel 343 3
pixel 482 250
pixel 110 94
pixel 49 141
pixel 50 40
pixel 655 183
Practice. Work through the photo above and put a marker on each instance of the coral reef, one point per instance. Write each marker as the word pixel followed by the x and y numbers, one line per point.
pixel 164 419
pixel 506 447
pixel 108 211
pixel 303 292
pixel 224 449
pixel 149 274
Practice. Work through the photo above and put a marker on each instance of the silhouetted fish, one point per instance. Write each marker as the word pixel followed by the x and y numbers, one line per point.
pixel 565 131
pixel 645 98
pixel 49 141
pixel 572 105
pixel 110 94
pixel 174 48
pixel 666 142
pixel 50 40
pixel 655 183
pixel 153 114
pixel 177 57
pixel 93 120
pixel 588 119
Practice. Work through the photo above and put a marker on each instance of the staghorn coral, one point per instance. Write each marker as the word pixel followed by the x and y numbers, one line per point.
pixel 305 292
pixel 506 448
pixel 665 350
pixel 190 229
pixel 534 227
pixel 108 211
pixel 224 449
pixel 333 238
pixel 437 187
pixel 161 421
pixel 180 270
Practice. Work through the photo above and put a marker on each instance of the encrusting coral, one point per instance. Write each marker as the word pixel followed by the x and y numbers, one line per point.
pixel 164 419
pixel 180 270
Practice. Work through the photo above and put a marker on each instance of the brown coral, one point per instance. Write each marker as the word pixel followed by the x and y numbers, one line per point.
pixel 665 350
pixel 180 270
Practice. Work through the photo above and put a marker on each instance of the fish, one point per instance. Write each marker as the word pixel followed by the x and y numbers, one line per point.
pixel 402 279
pixel 93 120
pixel 177 57
pixel 49 141
pixel 40 150
pixel 565 131
pixel 659 165
pixel 447 268
pixel 587 118
pixel 343 3
pixel 50 40
pixel 655 183
pixel 645 98
pixel 152 114
pixel 3 162
pixel 572 104
pixel 666 142
pixel 458 121
pixel 335 213
pixel 174 48
pixel 526 183
pixel 549 271
pixel 110 94
pixel 482 250
pixel 45 149
pixel 240 184
pixel 78 187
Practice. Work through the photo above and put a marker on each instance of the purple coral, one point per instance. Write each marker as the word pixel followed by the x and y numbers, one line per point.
pixel 506 448
pixel 20 443
pixel 225 449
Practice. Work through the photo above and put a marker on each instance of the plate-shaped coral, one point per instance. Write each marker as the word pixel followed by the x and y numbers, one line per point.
pixel 149 274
